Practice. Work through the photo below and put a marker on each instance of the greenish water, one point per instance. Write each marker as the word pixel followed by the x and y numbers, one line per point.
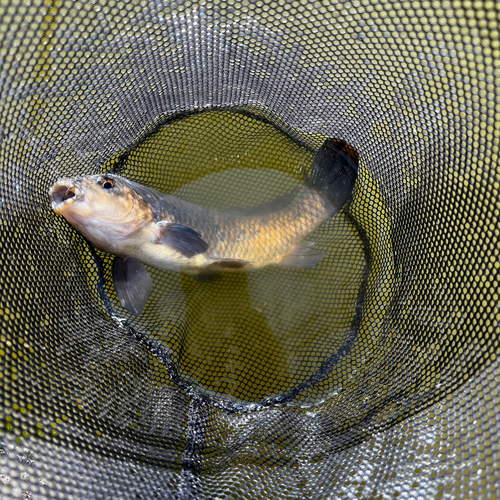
pixel 252 335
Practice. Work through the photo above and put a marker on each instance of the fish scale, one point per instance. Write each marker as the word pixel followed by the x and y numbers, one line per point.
pixel 244 237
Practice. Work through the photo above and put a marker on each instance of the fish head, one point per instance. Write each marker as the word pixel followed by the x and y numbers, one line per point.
pixel 104 208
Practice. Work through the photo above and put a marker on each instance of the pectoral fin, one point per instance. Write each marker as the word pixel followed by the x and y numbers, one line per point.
pixel 133 284
pixel 182 238
pixel 303 255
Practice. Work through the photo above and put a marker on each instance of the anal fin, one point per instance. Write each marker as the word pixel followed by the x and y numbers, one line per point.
pixel 133 284
pixel 303 255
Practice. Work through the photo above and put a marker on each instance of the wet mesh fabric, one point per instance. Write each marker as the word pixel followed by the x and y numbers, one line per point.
pixel 374 375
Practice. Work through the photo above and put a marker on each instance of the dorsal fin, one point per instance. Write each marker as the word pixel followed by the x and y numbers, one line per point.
pixel 268 207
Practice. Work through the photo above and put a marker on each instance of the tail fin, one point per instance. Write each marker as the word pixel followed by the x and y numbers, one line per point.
pixel 334 171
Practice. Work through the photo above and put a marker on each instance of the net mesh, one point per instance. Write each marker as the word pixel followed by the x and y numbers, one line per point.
pixel 371 376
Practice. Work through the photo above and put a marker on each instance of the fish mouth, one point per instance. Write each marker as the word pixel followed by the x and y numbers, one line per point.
pixel 63 193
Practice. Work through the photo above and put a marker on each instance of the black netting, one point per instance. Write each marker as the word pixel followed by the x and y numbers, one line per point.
pixel 373 375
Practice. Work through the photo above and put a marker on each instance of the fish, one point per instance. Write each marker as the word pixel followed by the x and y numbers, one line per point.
pixel 140 225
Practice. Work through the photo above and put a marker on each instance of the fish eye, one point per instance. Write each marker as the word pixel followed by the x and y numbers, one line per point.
pixel 107 184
